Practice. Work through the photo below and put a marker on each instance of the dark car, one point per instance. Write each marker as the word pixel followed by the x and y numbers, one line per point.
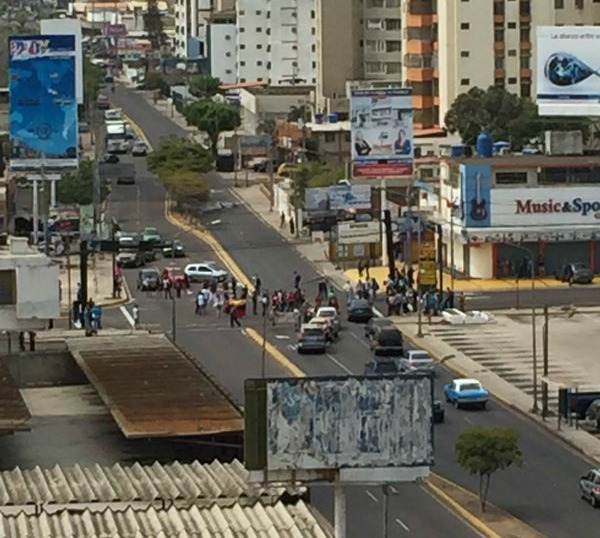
pixel 381 366
pixel 438 412
pixel 173 249
pixel 375 323
pixel 360 311
pixel 576 273
pixel 148 279
pixel 110 158
pixel 312 340
pixel 387 342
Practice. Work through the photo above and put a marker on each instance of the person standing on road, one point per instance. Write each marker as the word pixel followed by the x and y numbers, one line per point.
pixel 297 280
pixel 254 302
pixel 233 287
pixel 218 304
pixel 199 302
pixel 264 301
pixel 136 316
pixel 234 317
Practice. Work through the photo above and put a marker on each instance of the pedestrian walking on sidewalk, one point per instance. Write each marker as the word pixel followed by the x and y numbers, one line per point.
pixel 282 220
pixel 136 316
pixel 367 267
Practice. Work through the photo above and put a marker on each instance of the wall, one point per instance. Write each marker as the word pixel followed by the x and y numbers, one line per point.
pixel 257 108
pixel 252 56
pixel 222 53
pixel 44 368
pixel 482 261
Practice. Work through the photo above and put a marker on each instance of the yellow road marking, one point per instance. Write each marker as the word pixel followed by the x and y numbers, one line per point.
pixel 277 355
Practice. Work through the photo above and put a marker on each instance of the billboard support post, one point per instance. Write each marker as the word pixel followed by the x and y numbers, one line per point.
pixel 384 235
pixel 52 193
pixel 36 212
pixel 339 503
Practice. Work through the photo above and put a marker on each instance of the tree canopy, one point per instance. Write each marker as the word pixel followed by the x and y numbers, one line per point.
pixel 212 117
pixel 505 116
pixel 179 154
pixel 483 451
pixel 92 80
pixel 185 186
pixel 77 188
pixel 204 86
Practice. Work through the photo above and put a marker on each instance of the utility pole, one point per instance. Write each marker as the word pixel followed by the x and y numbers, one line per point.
pixel 545 343
pixel 83 275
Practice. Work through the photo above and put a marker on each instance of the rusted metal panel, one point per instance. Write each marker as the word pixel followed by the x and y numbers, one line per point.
pixel 352 422
pixel 153 389
pixel 13 410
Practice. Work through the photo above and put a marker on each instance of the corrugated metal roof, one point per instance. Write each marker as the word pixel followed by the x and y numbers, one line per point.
pixel 182 484
pixel 258 521
pixel 153 389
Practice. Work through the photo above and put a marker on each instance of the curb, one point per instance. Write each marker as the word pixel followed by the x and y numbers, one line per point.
pixel 277 355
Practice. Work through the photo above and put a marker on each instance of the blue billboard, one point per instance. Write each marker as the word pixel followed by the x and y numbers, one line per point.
pixel 42 102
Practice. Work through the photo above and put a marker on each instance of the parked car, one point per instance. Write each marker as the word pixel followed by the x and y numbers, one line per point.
pixel 151 235
pixel 374 323
pixel 360 311
pixel 102 102
pixel 438 412
pixel 576 273
pixel 200 272
pixel 381 366
pixel 327 326
pixel 174 249
pixel 453 316
pixel 110 158
pixel 139 149
pixel 466 393
pixel 417 360
pixel 387 342
pixel 312 339
pixel 112 114
pixel 148 279
pixel 589 487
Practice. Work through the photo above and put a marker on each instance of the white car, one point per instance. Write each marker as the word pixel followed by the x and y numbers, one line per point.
pixel 113 114
pixel 453 316
pixel 199 272
pixel 330 313
pixel 139 149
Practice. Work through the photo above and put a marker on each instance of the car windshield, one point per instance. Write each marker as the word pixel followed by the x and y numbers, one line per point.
pixel 360 304
pixel 470 386
pixel 580 267
pixel 312 331
pixel 390 338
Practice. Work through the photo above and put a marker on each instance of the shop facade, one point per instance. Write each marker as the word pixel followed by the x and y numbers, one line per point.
pixel 502 215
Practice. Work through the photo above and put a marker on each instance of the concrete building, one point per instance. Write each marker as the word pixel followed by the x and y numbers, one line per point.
pixel 276 41
pixel 29 287
pixel 221 38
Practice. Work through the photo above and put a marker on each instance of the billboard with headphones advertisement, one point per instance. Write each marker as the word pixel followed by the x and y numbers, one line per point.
pixel 382 132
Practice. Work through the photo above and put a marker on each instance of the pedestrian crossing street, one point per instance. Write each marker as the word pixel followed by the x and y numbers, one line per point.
pixel 507 352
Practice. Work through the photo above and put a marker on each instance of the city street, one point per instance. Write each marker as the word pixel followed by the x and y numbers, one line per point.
pixel 543 492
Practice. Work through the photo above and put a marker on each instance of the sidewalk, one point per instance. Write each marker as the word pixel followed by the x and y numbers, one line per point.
pixel 100 281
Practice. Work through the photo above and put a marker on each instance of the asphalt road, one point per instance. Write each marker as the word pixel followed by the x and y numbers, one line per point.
pixel 231 357
pixel 542 492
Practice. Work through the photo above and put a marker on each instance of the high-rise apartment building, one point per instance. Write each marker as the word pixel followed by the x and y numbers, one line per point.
pixel 276 41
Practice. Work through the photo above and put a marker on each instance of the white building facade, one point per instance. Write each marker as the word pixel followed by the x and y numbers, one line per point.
pixel 276 41
pixel 221 51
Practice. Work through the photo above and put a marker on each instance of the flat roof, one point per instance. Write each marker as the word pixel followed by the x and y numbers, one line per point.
pixel 533 161
pixel 280 90
pixel 13 410
pixel 153 389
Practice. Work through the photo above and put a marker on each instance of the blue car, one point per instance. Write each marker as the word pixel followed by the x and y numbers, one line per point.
pixel 466 393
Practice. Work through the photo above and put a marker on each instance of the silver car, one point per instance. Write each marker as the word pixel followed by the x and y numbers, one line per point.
pixel 589 487
pixel 417 360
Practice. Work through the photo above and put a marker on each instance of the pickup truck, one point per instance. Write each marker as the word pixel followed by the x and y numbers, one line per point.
pixel 577 403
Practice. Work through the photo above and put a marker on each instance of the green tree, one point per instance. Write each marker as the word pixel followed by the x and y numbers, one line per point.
pixel 297 113
pixel 153 24
pixel 153 81
pixel 77 188
pixel 504 115
pixel 325 174
pixel 212 117
pixel 92 80
pixel 204 86
pixel 178 154
pixel 185 186
pixel 483 451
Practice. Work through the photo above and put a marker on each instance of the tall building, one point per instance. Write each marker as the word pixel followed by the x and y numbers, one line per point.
pixel 221 39
pixel 276 41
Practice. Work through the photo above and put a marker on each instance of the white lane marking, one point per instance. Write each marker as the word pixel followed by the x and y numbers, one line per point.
pixel 338 363
pixel 127 315
pixel 359 339
pixel 371 496
pixel 467 419
pixel 402 524
pixel 377 313
pixel 282 337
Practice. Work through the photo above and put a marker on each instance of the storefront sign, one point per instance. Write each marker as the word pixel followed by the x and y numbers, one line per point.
pixel 358 232
pixel 545 206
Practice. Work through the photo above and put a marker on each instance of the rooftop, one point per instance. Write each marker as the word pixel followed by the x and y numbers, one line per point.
pixel 153 389
pixel 534 161
pixel 280 90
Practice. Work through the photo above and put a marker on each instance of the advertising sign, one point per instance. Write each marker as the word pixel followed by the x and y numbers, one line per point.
pixel 338 198
pixel 358 232
pixel 350 422
pixel 545 206
pixel 115 30
pixel 382 132
pixel 43 103
pixel 567 70
pixel 475 185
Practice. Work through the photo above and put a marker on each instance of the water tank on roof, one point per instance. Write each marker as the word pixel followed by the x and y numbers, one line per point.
pixel 500 148
pixel 332 118
pixel 457 150
pixel 318 118
pixel 485 144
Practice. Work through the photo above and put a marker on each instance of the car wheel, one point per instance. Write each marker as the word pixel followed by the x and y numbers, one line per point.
pixel 483 405
pixel 456 404
pixel 594 501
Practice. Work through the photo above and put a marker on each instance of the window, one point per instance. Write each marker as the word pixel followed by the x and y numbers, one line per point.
pixel 393 68
pixel 464 54
pixel 313 48
pixel 242 30
pixel 228 71
pixel 259 62
pixel 241 12
pixel 329 137
pixel 499 82
pixel 512 25
pixel 374 24
pixel 375 3
pixel 465 82
pixel 242 79
pixel 498 35
pixel 312 14
pixel 347 137
pixel 525 89
pixel 512 52
pixel 258 12
pixel 227 38
pixel 393 46
pixel 525 62
pixel 511 178
pixel 375 45
pixel 242 63
pixel 524 33
pixel 8 287
pixel 464 25
pixel 242 46
pixel 393 24
pixel 259 46
pixel 314 65
pixel 228 54
pixel 375 67
pixel 258 29
pixel 512 80
pixel 499 8
pixel 559 4
pixel 498 62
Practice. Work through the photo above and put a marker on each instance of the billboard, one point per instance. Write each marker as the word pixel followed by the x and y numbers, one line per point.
pixel 382 132
pixel 349 233
pixel 43 104
pixel 567 77
pixel 69 27
pixel 338 198
pixel 336 423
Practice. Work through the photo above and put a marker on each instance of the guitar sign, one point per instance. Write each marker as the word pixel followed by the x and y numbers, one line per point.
pixel 478 204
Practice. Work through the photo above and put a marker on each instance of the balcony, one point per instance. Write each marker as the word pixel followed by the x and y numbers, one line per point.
pixel 421 7
pixel 499 45
pixel 419 74
pixel 525 72
pixel 419 47
pixel 525 45
pixel 499 73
